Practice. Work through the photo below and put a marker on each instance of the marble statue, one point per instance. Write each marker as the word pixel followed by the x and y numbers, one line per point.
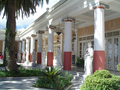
pixel 88 61
pixel 19 57
pixel 59 58
pixel 33 57
pixel 88 66
pixel 43 56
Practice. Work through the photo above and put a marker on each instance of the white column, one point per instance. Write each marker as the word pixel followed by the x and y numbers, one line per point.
pixel 61 45
pixel 23 50
pixel 23 45
pixel 75 45
pixel 3 48
pixel 27 50
pixel 20 48
pixel 67 43
pixel 39 47
pixel 99 39
pixel 32 43
pixel 32 46
pixel 50 46
pixel 44 42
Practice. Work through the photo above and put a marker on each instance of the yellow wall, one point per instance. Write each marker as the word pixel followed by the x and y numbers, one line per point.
pixel 107 28
pixel 91 28
pixel 55 37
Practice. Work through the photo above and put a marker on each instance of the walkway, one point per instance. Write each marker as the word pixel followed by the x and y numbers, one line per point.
pixel 25 83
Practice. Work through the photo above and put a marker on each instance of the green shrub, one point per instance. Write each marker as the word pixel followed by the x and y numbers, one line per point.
pixel 21 73
pixel 101 80
pixel 3 65
pixel 118 67
pixel 58 80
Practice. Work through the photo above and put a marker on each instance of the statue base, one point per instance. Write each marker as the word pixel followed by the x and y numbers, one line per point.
pixel 83 78
pixel 26 62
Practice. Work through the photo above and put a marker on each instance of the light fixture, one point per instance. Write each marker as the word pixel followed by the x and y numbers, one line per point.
pixel 59 29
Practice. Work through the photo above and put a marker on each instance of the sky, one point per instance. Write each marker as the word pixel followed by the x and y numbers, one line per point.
pixel 26 21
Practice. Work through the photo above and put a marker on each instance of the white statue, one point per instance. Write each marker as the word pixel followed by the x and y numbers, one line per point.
pixel 19 57
pixel 43 56
pixel 88 66
pixel 34 57
pixel 23 56
pixel 59 58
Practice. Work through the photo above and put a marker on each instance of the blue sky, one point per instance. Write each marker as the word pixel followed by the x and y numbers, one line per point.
pixel 22 23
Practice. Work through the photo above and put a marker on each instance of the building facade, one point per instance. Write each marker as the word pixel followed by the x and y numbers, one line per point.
pixel 70 25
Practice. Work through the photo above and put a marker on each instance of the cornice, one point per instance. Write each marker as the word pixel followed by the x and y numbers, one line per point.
pixel 58 13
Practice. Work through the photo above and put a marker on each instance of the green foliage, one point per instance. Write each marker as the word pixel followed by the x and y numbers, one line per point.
pixel 27 7
pixel 2 65
pixel 21 73
pixel 50 72
pixel 56 81
pixel 101 80
pixel 80 62
pixel 118 67
pixel 102 74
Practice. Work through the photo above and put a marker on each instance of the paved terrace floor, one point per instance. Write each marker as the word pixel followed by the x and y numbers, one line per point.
pixel 25 83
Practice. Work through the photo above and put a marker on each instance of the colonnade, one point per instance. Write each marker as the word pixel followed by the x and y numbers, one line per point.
pixel 99 42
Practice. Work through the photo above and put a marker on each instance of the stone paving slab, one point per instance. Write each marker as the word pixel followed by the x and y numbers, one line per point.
pixel 17 82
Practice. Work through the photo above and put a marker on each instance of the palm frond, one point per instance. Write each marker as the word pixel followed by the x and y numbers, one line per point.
pixel 25 7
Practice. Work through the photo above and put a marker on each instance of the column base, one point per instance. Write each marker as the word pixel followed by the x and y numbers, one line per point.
pixel 49 58
pixel 99 60
pixel 67 61
pixel 38 57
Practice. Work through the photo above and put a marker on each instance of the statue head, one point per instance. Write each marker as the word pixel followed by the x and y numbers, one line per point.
pixel 89 44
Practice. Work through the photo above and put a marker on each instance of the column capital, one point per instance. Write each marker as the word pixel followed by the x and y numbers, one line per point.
pixel 33 35
pixel 68 19
pixel 27 37
pixel 101 5
pixel 51 27
pixel 40 32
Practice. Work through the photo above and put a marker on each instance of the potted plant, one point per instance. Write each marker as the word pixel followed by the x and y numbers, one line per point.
pixel 80 62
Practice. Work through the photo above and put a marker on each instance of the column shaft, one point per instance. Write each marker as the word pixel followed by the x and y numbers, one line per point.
pixel 23 49
pixel 75 46
pixel 61 46
pixel 39 48
pixel 67 45
pixel 32 47
pixel 50 47
pixel 3 48
pixel 27 50
pixel 99 39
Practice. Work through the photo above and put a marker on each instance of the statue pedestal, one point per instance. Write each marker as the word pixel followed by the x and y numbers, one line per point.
pixel 83 78
pixel 26 62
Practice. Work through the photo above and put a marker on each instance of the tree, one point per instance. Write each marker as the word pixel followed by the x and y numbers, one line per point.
pixel 13 9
